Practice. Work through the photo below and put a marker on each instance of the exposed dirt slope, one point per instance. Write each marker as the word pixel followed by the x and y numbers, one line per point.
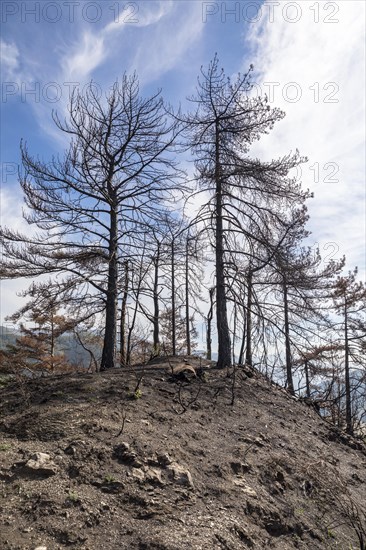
pixel 178 467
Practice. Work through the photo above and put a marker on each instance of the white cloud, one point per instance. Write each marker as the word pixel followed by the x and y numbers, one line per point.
pixel 324 62
pixel 9 60
pixel 139 15
pixel 11 205
pixel 86 56
pixel 164 47
pixel 95 48
pixel 10 299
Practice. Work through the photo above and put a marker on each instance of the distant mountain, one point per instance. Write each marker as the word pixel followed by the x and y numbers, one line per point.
pixel 8 335
pixel 67 344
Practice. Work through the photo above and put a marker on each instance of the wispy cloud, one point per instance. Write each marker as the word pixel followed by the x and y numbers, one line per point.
pixel 9 61
pixel 164 46
pixel 315 73
pixel 152 42
pixel 98 48
pixel 87 54
pixel 10 207
pixel 140 15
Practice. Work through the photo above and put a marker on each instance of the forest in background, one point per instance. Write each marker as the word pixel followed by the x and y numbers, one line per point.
pixel 129 253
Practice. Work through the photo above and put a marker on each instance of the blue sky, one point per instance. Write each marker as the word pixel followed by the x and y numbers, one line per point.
pixel 308 56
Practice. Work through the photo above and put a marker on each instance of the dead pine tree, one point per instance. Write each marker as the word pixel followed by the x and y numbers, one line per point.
pixel 88 202
pixel 225 122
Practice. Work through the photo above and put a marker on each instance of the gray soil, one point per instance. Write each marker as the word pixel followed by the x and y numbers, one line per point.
pixel 214 461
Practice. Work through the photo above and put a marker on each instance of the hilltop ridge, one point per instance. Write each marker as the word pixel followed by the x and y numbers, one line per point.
pixel 143 459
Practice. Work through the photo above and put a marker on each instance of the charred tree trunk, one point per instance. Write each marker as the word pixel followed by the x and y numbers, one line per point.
pixel 290 383
pixel 174 344
pixel 234 329
pixel 349 427
pixel 109 343
pixel 248 353
pixel 241 353
pixel 224 345
pixel 188 328
pixel 133 321
pixel 244 338
pixel 52 341
pixel 209 321
pixel 156 335
pixel 123 357
pixel 306 366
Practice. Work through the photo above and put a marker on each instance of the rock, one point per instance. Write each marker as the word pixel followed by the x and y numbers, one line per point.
pixel 41 464
pixel 75 448
pixel 153 475
pixel 164 459
pixel 181 475
pixel 138 474
pixel 245 488
pixel 239 468
pixel 249 491
pixel 41 548
pixel 244 535
pixel 125 454
pixel 122 449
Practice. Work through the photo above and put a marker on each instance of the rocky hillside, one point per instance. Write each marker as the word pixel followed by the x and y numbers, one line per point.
pixel 144 459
